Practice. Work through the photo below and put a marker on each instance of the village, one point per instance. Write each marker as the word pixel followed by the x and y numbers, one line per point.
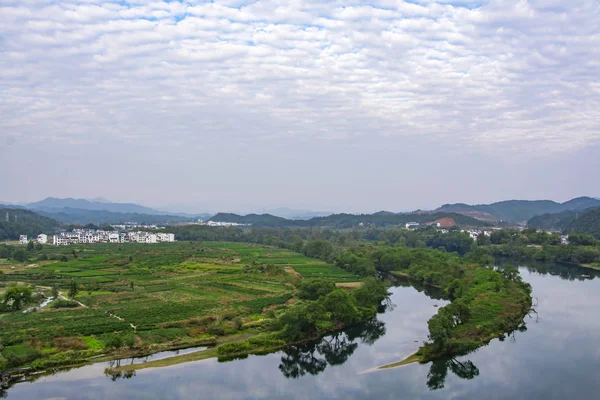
pixel 77 236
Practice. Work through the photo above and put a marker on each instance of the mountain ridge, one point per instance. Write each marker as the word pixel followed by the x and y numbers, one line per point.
pixel 520 210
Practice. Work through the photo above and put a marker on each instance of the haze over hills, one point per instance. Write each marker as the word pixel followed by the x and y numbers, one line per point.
pixel 53 203
pixel 291 213
pixel 550 214
pixel 519 210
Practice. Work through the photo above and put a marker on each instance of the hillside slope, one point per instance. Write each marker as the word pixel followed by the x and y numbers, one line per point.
pixel 342 221
pixel 521 210
pixel 24 222
pixel 69 215
pixel 589 223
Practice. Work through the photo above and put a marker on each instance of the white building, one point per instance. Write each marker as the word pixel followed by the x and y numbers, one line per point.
pixel 42 239
pixel 23 239
pixel 165 237
pixel 151 238
pixel 100 236
pixel 411 225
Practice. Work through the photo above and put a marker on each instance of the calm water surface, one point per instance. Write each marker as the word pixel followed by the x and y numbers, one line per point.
pixel 556 357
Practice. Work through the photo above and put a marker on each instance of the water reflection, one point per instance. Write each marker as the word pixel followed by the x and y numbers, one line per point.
pixel 313 358
pixel 436 378
pixel 564 271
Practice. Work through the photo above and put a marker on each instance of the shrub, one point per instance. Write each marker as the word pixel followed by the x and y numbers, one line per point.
pixel 62 303
pixel 230 349
pixel 70 343
pixel 216 328
pixel 20 354
pixel 238 323
pixel 113 341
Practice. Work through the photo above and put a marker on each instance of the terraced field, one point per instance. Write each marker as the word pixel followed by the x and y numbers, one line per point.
pixel 166 292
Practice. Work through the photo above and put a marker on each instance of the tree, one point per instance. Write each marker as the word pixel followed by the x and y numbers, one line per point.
pixel 55 291
pixel 320 249
pixel 30 245
pixel 582 239
pixel 312 289
pixel 18 295
pixel 73 289
pixel 483 240
pixel 39 246
pixel 19 255
pixel 342 307
pixel 371 293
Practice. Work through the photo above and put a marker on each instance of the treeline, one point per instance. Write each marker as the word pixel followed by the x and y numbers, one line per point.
pixel 15 222
pixel 310 241
pixel 344 221
pixel 561 254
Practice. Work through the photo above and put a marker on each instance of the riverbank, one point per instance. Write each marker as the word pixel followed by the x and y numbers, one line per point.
pixel 486 303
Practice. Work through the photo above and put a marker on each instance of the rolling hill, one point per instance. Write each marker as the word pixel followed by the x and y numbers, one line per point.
pixel 52 203
pixel 23 222
pixel 342 221
pixel 588 222
pixel 519 210
pixel 78 216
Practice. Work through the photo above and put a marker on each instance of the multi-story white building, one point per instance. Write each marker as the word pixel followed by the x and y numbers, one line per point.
pixel 23 239
pixel 42 239
pixel 100 236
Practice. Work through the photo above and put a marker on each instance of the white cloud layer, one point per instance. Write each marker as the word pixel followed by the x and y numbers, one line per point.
pixel 509 75
pixel 499 73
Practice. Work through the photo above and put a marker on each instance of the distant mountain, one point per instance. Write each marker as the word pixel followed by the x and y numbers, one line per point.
pixel 52 203
pixel 68 215
pixel 17 221
pixel 344 221
pixel 519 210
pixel 291 213
pixel 588 222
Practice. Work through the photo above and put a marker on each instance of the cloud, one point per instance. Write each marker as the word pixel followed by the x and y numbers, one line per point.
pixel 498 73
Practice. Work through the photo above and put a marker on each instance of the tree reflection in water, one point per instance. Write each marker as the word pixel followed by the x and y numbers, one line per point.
pixel 313 358
pixel 439 371
pixel 114 372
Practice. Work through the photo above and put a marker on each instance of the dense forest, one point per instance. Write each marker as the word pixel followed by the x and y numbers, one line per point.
pixel 587 223
pixel 558 221
pixel 15 222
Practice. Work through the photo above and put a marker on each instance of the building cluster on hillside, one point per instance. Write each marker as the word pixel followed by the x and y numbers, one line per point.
pixel 219 223
pixel 127 226
pixel 77 236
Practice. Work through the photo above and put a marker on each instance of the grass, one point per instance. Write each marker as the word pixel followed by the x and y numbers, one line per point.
pixel 140 290
pixel 413 358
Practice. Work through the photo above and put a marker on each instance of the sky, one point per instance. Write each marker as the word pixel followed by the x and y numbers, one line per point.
pixel 352 106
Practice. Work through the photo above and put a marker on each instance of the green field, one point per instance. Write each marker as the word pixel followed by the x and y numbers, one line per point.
pixel 175 293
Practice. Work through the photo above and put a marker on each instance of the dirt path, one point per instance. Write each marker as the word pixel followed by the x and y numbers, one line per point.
pixel 61 296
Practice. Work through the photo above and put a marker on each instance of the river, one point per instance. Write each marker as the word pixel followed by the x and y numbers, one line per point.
pixel 556 357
